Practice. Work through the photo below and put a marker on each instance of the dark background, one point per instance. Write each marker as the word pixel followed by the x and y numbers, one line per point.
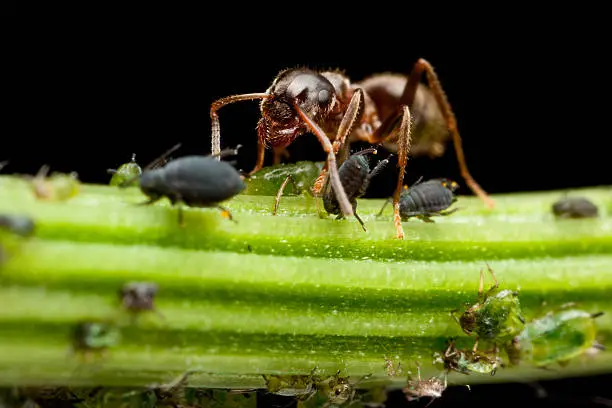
pixel 530 92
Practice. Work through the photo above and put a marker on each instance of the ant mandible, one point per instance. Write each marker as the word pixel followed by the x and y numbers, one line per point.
pixel 375 110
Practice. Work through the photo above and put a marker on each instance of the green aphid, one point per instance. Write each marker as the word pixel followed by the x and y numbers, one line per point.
pixel 126 173
pixel 94 336
pixel 269 180
pixel 557 337
pixel 56 187
pixel 302 387
pixel 496 317
pixel 468 361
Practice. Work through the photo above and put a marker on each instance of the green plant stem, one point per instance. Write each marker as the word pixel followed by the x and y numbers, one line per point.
pixel 242 299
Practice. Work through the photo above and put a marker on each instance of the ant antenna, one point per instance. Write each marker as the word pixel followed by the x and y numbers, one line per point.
pixel 149 166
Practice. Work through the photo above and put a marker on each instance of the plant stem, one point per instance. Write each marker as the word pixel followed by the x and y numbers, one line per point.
pixel 280 294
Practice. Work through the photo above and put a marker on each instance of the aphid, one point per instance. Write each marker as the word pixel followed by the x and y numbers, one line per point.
pixel 427 199
pixel 56 187
pixel 126 172
pixel 468 361
pixel 269 180
pixel 139 296
pixel 17 224
pixel 89 337
pixel 496 317
pixel 355 176
pixel 196 181
pixel 557 337
pixel 302 387
pixel 432 387
pixel 574 207
pixel 302 100
pixel 338 389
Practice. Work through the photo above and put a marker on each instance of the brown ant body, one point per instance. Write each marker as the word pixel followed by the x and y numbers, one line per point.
pixel 375 110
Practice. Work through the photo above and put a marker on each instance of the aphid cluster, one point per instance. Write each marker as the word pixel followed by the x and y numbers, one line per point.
pixel 558 337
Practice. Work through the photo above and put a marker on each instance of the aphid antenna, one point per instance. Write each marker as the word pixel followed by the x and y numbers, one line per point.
pixel 366 151
pixel 151 165
pixel 227 152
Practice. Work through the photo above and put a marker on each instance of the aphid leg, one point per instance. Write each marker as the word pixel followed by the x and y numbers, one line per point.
pixel 225 213
pixel 568 305
pixel 216 127
pixel 341 196
pixel 361 222
pixel 449 212
pixel 181 218
pixel 475 348
pixel 150 201
pixel 383 207
pixel 408 98
pixel 596 315
pixel 280 191
pixel 454 316
pixel 481 286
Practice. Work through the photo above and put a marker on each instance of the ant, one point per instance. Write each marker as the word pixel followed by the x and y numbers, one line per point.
pixel 375 110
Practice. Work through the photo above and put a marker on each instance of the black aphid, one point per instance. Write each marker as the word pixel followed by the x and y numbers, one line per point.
pixel 426 199
pixel 574 207
pixel 196 181
pixel 17 224
pixel 355 176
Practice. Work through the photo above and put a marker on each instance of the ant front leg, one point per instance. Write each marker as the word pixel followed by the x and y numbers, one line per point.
pixel 351 116
pixel 403 143
pixel 408 98
pixel 343 201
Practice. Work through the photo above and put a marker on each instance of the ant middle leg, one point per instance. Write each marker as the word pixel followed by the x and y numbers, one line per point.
pixel 408 98
pixel 403 143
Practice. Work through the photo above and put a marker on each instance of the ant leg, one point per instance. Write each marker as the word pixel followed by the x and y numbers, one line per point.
pixel 425 218
pixel 278 153
pixel 404 140
pixel 353 113
pixel 408 98
pixel 214 117
pixel 341 196
pixel 383 207
pixel 279 193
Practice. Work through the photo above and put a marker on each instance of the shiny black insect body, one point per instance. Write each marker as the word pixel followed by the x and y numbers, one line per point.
pixel 196 181
pixel 17 224
pixel 426 199
pixel 574 207
pixel 355 176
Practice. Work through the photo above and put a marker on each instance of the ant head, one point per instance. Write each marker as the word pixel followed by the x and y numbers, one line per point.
pixel 311 92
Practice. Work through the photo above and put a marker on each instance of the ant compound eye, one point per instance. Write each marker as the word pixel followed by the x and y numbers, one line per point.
pixel 324 96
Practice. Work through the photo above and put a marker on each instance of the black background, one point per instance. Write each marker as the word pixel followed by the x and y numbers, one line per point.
pixel 530 92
